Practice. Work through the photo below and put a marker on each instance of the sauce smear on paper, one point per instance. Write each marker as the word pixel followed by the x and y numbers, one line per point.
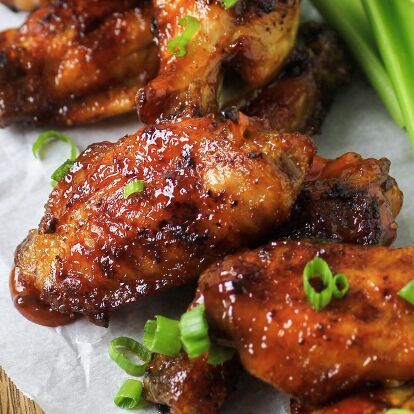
pixel 27 302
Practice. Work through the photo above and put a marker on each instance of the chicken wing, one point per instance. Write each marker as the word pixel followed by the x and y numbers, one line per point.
pixel 349 199
pixel 373 402
pixel 300 96
pixel 211 187
pixel 254 36
pixel 256 300
pixel 76 61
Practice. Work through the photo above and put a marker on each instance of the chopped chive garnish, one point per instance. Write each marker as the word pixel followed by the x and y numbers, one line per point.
pixel 122 349
pixel 134 186
pixel 177 45
pixel 218 355
pixel 337 286
pixel 49 136
pixel 162 336
pixel 229 3
pixel 194 331
pixel 407 292
pixel 129 395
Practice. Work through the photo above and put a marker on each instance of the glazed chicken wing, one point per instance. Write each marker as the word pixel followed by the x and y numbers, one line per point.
pixel 373 402
pixel 256 300
pixel 211 187
pixel 76 61
pixel 254 36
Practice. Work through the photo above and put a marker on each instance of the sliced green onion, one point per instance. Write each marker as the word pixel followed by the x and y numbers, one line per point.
pixel 194 331
pixel 392 24
pixel 398 411
pixel 340 286
pixel 162 336
pixel 120 350
pixel 407 292
pixel 134 186
pixel 349 18
pixel 49 136
pixel 129 395
pixel 218 355
pixel 177 45
pixel 318 268
pixel 229 3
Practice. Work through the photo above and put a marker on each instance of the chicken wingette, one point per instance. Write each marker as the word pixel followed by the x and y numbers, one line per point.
pixel 76 61
pixel 211 186
pixel 256 300
pixel 254 37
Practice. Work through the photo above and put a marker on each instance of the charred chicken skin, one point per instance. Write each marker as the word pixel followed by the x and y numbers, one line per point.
pixel 76 61
pixel 254 36
pixel 349 199
pixel 256 299
pixel 373 402
pixel 211 187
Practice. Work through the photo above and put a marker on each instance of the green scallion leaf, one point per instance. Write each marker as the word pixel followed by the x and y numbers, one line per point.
pixel 162 336
pixel 49 136
pixel 194 331
pixel 133 187
pixel 407 292
pixel 122 349
pixel 129 395
pixel 177 45
pixel 229 3
pixel 392 25
pixel 349 18
pixel 398 411
pixel 218 355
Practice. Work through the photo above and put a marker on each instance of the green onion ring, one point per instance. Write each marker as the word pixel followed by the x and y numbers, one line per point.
pixel 340 279
pixel 194 331
pixel 218 355
pixel 229 3
pixel 177 45
pixel 162 336
pixel 117 348
pixel 317 267
pixel 407 292
pixel 398 411
pixel 129 395
pixel 134 186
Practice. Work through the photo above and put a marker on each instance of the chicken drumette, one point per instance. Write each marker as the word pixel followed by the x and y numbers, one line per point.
pixel 76 61
pixel 255 37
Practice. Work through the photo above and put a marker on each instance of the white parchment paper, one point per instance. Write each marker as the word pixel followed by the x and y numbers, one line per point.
pixel 67 370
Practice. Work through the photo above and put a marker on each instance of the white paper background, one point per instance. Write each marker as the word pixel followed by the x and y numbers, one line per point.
pixel 67 370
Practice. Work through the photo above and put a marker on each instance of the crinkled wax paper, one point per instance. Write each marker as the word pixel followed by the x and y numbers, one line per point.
pixel 67 370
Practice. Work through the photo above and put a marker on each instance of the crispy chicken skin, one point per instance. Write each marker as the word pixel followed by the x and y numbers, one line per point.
pixel 349 199
pixel 211 187
pixel 373 402
pixel 189 386
pixel 255 36
pixel 76 61
pixel 256 300
pixel 300 96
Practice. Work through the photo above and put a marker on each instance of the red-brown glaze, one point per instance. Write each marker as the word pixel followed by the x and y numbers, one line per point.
pixel 256 300
pixel 76 61
pixel 27 302
pixel 211 187
pixel 256 36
